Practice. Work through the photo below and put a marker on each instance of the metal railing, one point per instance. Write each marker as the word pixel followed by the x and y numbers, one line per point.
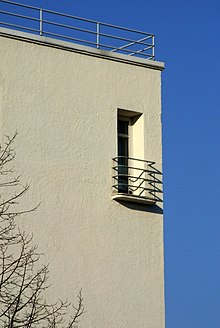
pixel 136 177
pixel 83 31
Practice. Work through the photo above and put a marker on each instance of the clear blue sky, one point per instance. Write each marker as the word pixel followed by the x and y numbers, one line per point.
pixel 187 40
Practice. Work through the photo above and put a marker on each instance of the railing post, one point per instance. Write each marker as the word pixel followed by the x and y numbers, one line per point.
pixel 153 47
pixel 97 34
pixel 41 22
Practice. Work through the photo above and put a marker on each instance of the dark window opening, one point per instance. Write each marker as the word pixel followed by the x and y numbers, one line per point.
pixel 123 154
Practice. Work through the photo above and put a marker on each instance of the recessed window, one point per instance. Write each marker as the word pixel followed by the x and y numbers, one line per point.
pixel 123 154
pixel 133 176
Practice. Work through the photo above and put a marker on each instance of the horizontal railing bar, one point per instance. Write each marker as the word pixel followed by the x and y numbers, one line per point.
pixel 124 50
pixel 141 54
pixel 68 37
pixel 20 27
pixel 132 42
pixel 150 191
pixel 21 5
pixel 68 26
pixel 134 189
pixel 132 186
pixel 20 16
pixel 125 39
pixel 117 167
pixel 127 29
pixel 132 158
pixel 69 16
pixel 133 168
pixel 124 175
pixel 141 50
pixel 148 198
pixel 128 176
pixel 131 177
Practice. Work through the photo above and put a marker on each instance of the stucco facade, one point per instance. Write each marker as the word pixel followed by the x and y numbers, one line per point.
pixel 63 101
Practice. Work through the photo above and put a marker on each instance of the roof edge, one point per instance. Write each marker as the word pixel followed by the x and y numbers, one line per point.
pixel 69 46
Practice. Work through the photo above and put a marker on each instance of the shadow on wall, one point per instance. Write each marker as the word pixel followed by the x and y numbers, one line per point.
pixel 142 207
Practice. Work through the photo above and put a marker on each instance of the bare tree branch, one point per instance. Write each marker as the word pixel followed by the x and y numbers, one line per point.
pixel 22 286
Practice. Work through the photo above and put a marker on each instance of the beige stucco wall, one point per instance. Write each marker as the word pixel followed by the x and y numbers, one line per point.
pixel 64 107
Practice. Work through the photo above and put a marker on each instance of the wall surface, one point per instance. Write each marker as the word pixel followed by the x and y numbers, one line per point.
pixel 64 107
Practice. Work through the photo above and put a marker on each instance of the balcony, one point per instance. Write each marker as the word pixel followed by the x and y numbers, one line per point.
pixel 135 180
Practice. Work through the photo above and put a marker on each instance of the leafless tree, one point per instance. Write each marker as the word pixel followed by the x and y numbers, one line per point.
pixel 22 282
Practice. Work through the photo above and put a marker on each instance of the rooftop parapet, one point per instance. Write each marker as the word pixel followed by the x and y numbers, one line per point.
pixel 65 27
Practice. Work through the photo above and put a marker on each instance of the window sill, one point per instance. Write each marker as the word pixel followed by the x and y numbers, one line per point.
pixel 133 199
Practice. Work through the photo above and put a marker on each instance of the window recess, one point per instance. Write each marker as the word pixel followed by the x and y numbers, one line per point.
pixel 123 154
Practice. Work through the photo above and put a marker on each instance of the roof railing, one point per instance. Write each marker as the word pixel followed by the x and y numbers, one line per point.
pixel 83 31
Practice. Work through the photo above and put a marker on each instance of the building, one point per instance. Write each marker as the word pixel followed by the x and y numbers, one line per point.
pixel 89 146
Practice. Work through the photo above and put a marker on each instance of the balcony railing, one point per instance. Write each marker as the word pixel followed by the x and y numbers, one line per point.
pixel 76 29
pixel 136 180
